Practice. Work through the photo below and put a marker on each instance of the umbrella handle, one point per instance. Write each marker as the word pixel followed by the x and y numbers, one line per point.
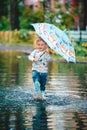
pixel 42 54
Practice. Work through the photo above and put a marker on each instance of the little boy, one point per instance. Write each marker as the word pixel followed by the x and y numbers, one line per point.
pixel 40 57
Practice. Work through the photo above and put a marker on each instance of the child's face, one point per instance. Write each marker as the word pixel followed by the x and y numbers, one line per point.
pixel 41 45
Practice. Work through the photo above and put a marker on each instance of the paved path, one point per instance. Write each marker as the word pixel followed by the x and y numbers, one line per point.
pixel 25 49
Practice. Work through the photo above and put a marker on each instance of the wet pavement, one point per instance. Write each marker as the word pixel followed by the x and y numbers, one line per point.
pixel 65 107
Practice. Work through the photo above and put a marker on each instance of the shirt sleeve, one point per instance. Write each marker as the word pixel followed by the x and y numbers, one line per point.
pixel 31 56
pixel 48 57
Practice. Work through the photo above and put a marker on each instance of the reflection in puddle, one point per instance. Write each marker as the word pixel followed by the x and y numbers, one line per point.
pixel 65 107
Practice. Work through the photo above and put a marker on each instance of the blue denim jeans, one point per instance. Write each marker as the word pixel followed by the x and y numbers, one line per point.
pixel 40 77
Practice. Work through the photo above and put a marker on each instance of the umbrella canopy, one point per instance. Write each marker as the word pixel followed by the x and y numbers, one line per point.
pixel 56 39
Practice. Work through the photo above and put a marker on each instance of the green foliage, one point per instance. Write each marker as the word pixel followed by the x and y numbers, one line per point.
pixel 80 50
pixel 63 15
pixel 23 35
pixel 64 20
pixel 29 16
pixel 4 23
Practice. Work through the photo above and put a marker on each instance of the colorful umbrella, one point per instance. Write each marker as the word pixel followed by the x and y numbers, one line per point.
pixel 56 39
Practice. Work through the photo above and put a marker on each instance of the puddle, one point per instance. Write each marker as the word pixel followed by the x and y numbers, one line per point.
pixel 65 107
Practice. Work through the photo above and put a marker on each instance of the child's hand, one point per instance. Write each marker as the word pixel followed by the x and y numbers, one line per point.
pixel 47 50
pixel 36 59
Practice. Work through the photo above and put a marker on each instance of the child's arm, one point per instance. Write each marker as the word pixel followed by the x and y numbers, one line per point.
pixel 31 57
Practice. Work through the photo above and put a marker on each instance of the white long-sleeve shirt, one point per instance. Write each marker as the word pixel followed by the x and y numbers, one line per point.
pixel 42 64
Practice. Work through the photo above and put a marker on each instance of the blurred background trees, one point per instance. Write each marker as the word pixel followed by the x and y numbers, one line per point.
pixel 16 17
pixel 19 14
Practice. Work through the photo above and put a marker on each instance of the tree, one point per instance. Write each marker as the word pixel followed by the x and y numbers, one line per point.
pixel 13 14
pixel 83 14
pixel 4 21
pixel 46 9
pixel 3 7
pixel 29 16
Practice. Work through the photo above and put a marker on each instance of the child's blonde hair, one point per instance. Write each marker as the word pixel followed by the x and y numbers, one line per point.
pixel 40 39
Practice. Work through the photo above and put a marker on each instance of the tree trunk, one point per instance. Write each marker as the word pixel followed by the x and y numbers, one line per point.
pixel 13 14
pixel 85 15
pixel 3 8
